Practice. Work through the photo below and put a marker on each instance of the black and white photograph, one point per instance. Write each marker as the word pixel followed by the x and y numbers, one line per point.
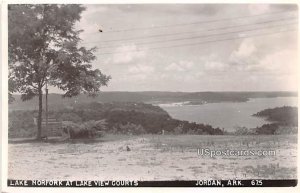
pixel 167 95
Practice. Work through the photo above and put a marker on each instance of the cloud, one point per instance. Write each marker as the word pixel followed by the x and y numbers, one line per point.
pixel 286 7
pixel 232 65
pixel 246 49
pixel 97 9
pixel 127 53
pixel 181 66
pixel 215 66
pixel 141 69
pixel 136 77
pixel 87 21
pixel 211 63
pixel 277 62
pixel 174 67
pixel 251 56
pixel 203 9
pixel 245 55
pixel 258 8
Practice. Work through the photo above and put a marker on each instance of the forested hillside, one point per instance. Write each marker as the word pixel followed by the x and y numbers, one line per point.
pixel 120 118
pixel 284 120
pixel 285 115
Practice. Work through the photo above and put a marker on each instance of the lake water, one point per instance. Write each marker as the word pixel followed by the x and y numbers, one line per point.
pixel 228 115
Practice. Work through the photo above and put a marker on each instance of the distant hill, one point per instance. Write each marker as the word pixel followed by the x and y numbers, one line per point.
pixel 284 121
pixel 56 101
pixel 285 115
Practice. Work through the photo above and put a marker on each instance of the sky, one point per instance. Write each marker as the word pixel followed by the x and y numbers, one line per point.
pixel 173 47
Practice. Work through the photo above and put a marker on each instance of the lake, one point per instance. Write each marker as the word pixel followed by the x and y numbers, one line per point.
pixel 228 115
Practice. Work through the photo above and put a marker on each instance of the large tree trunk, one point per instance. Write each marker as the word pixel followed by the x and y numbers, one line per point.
pixel 39 122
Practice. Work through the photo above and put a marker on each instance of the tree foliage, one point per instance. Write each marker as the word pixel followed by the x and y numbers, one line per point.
pixel 44 47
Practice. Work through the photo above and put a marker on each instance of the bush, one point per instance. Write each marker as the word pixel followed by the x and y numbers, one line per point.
pixel 244 131
pixel 100 125
pixel 267 129
pixel 87 130
pixel 130 128
pixel 178 130
pixel 96 128
pixel 70 117
pixel 21 124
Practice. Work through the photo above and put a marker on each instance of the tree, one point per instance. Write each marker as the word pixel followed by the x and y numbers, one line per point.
pixel 44 49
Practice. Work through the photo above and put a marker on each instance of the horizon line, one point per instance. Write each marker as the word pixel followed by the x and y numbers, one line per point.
pixel 177 91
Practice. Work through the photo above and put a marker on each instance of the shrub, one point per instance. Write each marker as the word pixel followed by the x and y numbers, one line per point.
pixel 87 130
pixel 267 129
pixel 21 124
pixel 100 125
pixel 178 130
pixel 131 128
pixel 70 117
pixel 243 131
